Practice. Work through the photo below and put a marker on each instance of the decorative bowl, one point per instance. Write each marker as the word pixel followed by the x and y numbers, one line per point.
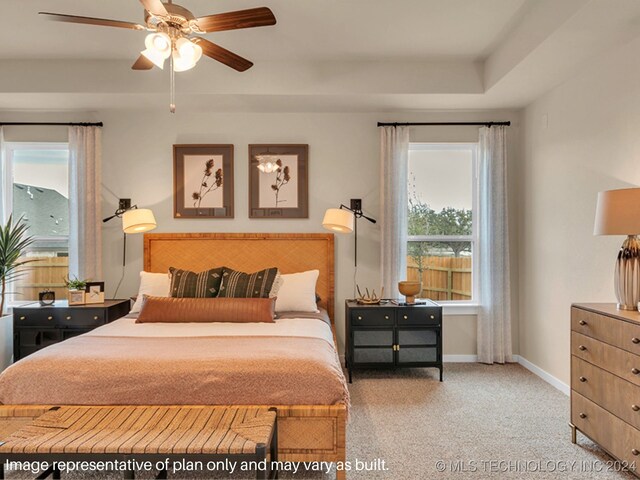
pixel 410 290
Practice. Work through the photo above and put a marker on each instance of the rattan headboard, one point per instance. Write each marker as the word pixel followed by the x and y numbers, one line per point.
pixel 248 252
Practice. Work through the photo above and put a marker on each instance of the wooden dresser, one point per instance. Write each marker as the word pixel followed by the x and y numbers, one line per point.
pixel 605 378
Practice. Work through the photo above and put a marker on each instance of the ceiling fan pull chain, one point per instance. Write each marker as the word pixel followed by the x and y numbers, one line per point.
pixel 172 105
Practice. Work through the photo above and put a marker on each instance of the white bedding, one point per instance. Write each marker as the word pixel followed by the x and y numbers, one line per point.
pixel 286 327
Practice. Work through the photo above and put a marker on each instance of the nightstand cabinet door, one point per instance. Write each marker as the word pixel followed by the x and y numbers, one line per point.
pixel 418 346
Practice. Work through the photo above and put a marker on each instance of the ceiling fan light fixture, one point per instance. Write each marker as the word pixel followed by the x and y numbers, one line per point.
pixel 189 50
pixel 159 42
pixel 182 64
pixel 154 57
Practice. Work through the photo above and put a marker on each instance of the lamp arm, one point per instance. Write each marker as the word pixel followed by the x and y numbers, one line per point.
pixel 119 213
pixel 357 213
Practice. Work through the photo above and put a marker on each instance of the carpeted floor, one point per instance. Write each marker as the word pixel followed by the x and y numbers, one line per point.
pixel 482 422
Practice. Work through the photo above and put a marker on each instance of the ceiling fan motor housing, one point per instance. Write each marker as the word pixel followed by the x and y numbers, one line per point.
pixel 179 17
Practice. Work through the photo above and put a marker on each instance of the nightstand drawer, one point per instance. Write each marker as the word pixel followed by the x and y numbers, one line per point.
pixel 419 316
pixel 368 356
pixel 372 338
pixel 36 318
pixel 373 317
pixel 83 317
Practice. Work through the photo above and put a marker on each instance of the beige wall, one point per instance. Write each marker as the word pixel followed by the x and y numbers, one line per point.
pixel 344 159
pixel 581 138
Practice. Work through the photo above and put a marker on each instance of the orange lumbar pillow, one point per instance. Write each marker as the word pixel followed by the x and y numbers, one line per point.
pixel 206 310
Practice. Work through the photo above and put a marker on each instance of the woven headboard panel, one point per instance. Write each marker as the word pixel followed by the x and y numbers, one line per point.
pixel 248 252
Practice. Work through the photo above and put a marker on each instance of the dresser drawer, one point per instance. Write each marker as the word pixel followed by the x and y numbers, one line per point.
pixel 419 316
pixel 612 359
pixel 83 317
pixel 625 335
pixel 36 317
pixel 607 390
pixel 617 437
pixel 373 317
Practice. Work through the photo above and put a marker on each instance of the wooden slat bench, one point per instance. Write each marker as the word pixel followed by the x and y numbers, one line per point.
pixel 145 434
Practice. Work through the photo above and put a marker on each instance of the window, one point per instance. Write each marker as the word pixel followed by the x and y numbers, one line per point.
pixel 37 189
pixel 441 225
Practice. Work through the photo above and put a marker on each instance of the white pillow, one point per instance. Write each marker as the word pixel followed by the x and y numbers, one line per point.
pixel 298 292
pixel 152 284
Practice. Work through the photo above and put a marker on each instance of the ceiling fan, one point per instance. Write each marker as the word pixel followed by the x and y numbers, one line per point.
pixel 174 34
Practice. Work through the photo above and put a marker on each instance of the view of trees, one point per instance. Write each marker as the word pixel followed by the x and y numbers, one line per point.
pixel 423 220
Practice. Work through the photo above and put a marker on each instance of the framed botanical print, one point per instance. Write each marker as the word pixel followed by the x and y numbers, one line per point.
pixel 278 181
pixel 203 181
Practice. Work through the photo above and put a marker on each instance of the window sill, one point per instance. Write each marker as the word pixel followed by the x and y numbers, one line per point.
pixel 449 309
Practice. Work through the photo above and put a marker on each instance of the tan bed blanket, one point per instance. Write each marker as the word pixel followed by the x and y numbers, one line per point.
pixel 94 370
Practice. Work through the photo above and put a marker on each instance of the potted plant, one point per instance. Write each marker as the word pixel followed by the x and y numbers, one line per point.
pixel 76 289
pixel 13 244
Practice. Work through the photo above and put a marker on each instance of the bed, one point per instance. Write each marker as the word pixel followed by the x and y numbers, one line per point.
pixel 311 423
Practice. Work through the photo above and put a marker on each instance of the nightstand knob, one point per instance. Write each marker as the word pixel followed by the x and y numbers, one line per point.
pixel 49 318
pixel 386 317
pixel 405 317
pixel 359 317
pixel 635 371
pixel 635 408
pixel 582 322
pixel 432 317
pixel 95 317
pixel 634 451
pixel 582 347
pixel 69 318
pixel 635 340
pixel 583 415
pixel 582 379
pixel 23 318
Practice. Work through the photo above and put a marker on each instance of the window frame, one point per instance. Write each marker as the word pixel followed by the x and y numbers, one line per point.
pixel 459 306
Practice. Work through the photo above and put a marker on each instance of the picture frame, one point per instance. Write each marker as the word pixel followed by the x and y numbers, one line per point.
pixel 94 293
pixel 76 297
pixel 283 193
pixel 203 181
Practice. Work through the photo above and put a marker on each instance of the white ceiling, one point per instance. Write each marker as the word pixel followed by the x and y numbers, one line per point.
pixel 306 29
pixel 323 55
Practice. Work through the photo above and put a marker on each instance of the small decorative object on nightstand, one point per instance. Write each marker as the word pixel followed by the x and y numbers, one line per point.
pixel 410 290
pixel 391 336
pixel 36 326
pixel 47 297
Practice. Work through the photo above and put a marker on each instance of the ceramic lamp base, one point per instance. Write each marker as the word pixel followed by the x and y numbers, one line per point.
pixel 627 274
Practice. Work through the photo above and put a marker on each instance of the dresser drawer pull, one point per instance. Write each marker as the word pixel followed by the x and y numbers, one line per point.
pixel 69 318
pixel 582 415
pixel 405 317
pixel 635 340
pixel 49 318
pixel 634 451
pixel 582 347
pixel 635 371
pixel 359 317
pixel 23 318
pixel 95 317
pixel 432 317
pixel 386 317
pixel 582 322
pixel 635 408
pixel 582 379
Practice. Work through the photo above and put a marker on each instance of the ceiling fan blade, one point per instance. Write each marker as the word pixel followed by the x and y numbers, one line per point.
pixel 142 63
pixel 59 17
pixel 254 17
pixel 155 7
pixel 223 55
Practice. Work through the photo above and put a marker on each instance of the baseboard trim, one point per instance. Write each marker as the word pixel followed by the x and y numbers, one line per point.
pixel 459 358
pixel 544 375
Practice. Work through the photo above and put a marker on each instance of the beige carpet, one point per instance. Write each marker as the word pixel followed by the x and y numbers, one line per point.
pixel 483 421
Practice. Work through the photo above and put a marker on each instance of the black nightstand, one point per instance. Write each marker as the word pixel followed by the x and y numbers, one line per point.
pixel 36 327
pixel 392 336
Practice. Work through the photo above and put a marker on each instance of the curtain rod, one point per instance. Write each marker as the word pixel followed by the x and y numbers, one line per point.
pixel 444 124
pixel 80 124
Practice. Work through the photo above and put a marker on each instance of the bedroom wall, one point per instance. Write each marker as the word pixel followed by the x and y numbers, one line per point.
pixel 581 138
pixel 344 159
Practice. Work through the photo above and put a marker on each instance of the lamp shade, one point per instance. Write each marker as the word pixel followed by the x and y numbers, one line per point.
pixel 338 220
pixel 138 220
pixel 618 212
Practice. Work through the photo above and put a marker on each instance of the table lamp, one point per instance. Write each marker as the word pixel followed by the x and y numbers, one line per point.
pixel 618 213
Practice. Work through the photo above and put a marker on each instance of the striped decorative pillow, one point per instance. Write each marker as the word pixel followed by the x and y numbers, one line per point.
pixel 187 284
pixel 247 285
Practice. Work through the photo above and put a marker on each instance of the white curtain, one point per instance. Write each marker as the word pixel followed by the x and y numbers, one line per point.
pixel 3 178
pixel 394 155
pixel 85 205
pixel 494 316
